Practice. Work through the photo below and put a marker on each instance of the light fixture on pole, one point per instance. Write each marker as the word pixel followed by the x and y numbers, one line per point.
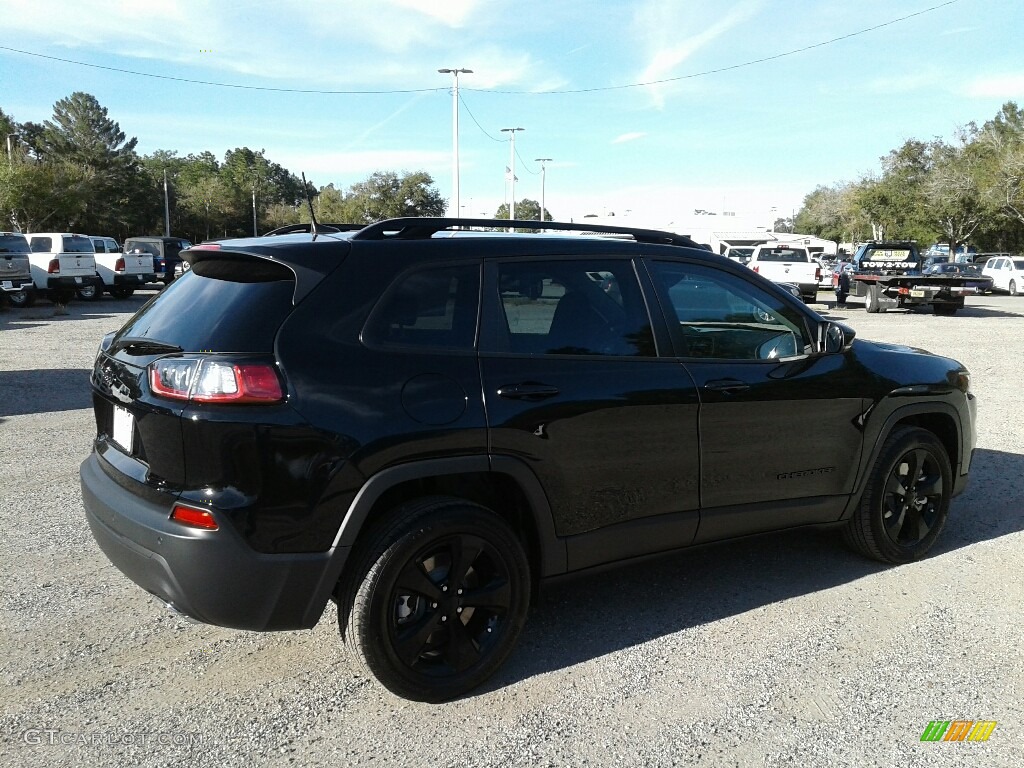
pixel 543 173
pixel 512 170
pixel 453 207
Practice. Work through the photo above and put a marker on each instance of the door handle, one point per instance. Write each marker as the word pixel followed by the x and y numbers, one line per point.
pixel 528 390
pixel 728 386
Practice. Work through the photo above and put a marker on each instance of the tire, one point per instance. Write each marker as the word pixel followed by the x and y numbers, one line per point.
pixel 871 303
pixel 89 292
pixel 122 293
pixel 947 310
pixel 885 525
pixel 23 298
pixel 1013 288
pixel 404 610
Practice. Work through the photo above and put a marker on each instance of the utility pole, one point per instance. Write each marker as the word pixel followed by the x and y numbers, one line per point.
pixel 453 207
pixel 167 208
pixel 254 232
pixel 512 170
pixel 543 172
pixel 10 151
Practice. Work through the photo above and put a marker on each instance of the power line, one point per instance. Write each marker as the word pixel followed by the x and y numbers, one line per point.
pixel 484 132
pixel 594 89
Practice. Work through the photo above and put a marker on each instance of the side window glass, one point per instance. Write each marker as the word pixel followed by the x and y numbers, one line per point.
pixel 428 308
pixel 40 244
pixel 720 316
pixel 572 307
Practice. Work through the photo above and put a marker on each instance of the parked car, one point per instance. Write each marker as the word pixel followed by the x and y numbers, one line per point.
pixel 166 253
pixel 121 272
pixel 1007 273
pixel 62 263
pixel 980 282
pixel 422 422
pixel 15 272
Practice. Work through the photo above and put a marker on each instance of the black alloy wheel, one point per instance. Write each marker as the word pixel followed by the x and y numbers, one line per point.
pixel 906 501
pixel 443 599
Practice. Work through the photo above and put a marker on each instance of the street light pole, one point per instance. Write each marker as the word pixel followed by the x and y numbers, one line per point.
pixel 512 170
pixel 453 208
pixel 167 208
pixel 254 232
pixel 543 174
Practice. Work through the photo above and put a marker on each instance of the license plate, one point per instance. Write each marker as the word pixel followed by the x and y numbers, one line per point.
pixel 8 284
pixel 124 428
pixel 917 294
pixel 78 280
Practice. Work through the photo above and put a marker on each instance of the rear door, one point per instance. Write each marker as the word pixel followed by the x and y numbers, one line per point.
pixel 574 387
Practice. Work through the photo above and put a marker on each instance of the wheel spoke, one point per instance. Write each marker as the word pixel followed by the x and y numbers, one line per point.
pixel 460 651
pixel 930 486
pixel 465 550
pixel 910 532
pixel 894 522
pixel 412 641
pixel 495 596
pixel 413 580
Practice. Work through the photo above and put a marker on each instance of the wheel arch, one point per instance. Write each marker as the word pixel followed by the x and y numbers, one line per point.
pixel 939 418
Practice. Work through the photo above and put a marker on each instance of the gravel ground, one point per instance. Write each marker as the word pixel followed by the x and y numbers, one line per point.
pixel 784 650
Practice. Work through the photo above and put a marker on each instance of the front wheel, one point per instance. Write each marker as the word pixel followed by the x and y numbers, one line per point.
pixel 905 501
pixel 441 598
pixel 1013 288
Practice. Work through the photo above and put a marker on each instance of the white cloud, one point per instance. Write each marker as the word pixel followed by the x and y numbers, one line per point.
pixel 628 137
pixel 662 26
pixel 1007 86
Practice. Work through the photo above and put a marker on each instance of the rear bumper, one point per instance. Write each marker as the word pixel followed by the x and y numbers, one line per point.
pixel 210 576
pixel 14 284
pixel 133 281
pixel 72 283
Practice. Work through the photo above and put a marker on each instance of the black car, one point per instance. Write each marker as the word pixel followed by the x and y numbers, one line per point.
pixel 423 423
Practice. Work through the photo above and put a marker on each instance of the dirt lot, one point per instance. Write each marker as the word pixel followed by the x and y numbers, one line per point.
pixel 780 650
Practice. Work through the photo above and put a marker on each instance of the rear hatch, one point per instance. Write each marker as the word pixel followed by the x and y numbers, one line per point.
pixel 183 390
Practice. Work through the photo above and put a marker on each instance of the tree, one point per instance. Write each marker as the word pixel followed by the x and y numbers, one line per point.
pixel 951 191
pixel 386 195
pixel 81 134
pixel 526 210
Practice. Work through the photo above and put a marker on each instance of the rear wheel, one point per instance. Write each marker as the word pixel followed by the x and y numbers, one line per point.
pixel 873 301
pixel 945 309
pixel 906 499
pixel 438 598
pixel 89 292
pixel 26 297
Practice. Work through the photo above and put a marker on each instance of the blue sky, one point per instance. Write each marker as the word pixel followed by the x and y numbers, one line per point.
pixel 745 139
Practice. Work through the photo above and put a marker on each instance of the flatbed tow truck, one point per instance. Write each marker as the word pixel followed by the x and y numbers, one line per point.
pixel 889 275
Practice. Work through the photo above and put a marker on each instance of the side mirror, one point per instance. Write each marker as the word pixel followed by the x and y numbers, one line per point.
pixel 834 337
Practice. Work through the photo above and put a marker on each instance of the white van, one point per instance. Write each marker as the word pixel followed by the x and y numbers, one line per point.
pixel 121 273
pixel 62 263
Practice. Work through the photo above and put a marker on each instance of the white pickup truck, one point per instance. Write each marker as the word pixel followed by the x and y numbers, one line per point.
pixel 121 272
pixel 788 263
pixel 62 263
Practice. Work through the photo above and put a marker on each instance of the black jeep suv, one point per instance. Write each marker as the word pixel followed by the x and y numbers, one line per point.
pixel 423 422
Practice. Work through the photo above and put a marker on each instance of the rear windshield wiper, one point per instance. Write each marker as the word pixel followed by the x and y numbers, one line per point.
pixel 140 345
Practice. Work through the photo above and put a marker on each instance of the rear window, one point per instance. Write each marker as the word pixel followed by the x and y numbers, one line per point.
pixel 77 244
pixel 220 305
pixel 783 254
pixel 13 244
pixel 132 246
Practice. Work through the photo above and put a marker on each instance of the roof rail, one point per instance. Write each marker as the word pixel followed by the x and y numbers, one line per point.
pixel 321 228
pixel 423 228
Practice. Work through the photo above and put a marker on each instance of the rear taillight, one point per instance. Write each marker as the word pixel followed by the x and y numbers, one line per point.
pixel 193 517
pixel 817 274
pixel 206 380
pixel 757 268
pixel 119 265
pixel 53 267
